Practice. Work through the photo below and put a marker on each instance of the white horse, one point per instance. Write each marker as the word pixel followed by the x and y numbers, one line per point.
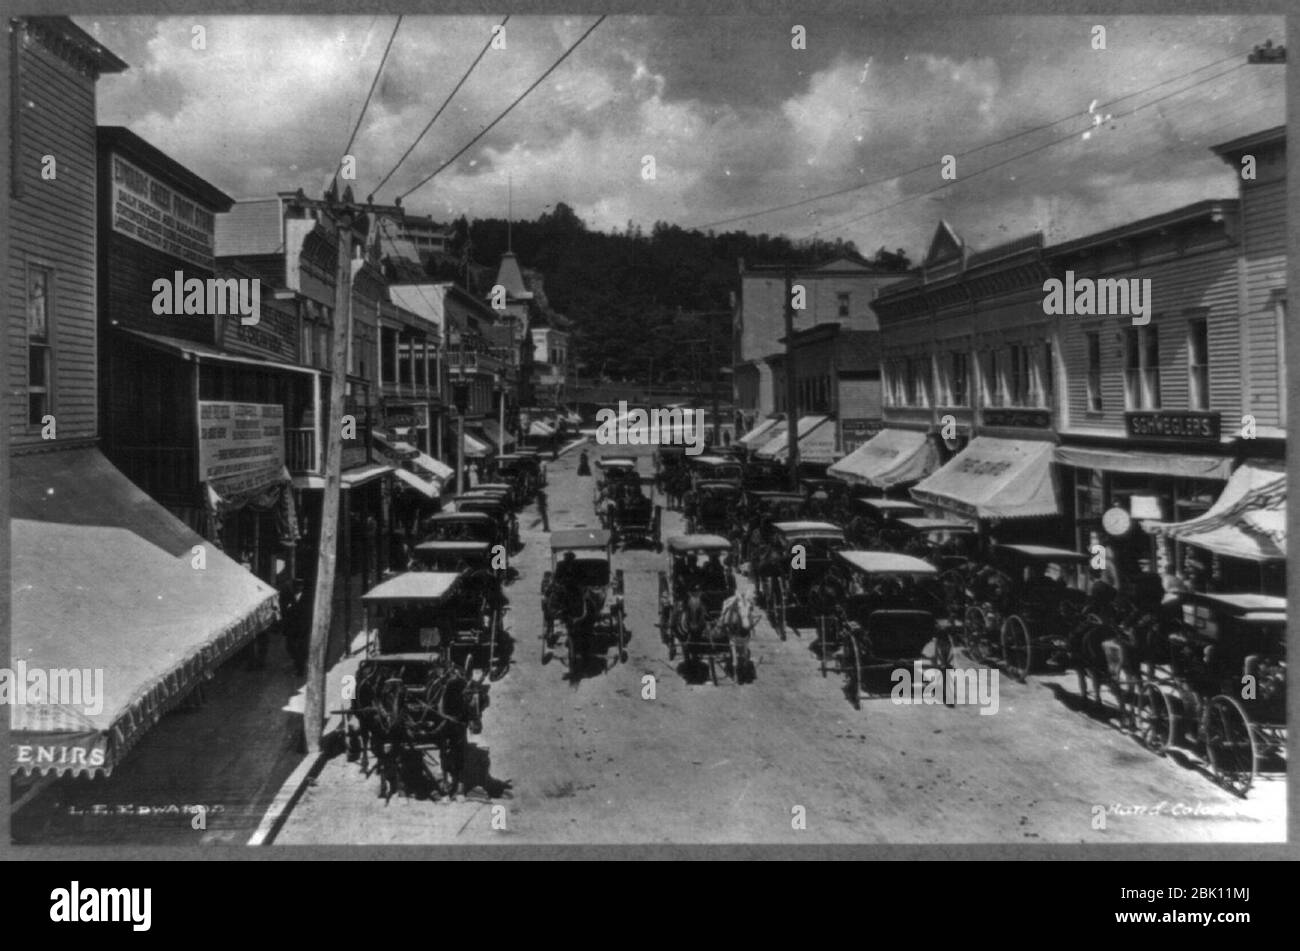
pixel 737 621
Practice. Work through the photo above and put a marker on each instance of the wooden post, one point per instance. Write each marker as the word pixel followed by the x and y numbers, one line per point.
pixel 791 410
pixel 327 550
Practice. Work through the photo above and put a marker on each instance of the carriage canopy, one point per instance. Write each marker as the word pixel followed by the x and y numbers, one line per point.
pixel 885 563
pixel 680 544
pixel 1040 553
pixel 576 539
pixel 415 586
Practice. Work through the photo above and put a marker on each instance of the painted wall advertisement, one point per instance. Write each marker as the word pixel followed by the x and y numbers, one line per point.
pixel 241 446
pixel 148 211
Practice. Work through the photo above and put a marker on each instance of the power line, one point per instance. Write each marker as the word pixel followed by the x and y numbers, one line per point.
pixel 1020 155
pixel 445 103
pixel 929 165
pixel 490 125
pixel 347 149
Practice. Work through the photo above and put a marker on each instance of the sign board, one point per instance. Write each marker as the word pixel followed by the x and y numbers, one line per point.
pixel 154 214
pixel 275 335
pixel 1012 416
pixel 1174 425
pixel 855 432
pixel 241 446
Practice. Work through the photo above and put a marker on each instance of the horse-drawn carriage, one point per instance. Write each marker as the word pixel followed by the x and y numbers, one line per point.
pixel 522 471
pixel 457 556
pixel 583 595
pixel 1020 616
pixel 418 687
pixel 499 509
pixel 631 516
pixel 713 508
pixel 1223 687
pixel 700 611
pixel 882 620
pixel 766 475
pixel 715 468
pixel 791 570
pixel 612 470
pixel 874 523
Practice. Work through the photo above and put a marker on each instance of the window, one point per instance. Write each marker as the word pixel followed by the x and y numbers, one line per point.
pixel 917 382
pixel 990 380
pixel 1018 377
pixel 1198 364
pixel 388 354
pixel 1094 371
pixel 1141 368
pixel 958 380
pixel 1047 381
pixel 843 299
pixel 40 283
pixel 404 350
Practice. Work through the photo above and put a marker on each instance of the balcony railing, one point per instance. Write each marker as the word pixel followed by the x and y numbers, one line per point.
pixel 300 449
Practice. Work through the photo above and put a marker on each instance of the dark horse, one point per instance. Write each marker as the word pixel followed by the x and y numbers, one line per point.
pixel 404 708
pixel 1105 646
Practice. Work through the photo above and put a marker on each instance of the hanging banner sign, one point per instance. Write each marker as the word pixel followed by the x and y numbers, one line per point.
pixel 241 446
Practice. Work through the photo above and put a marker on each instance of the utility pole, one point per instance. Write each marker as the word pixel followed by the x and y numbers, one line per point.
pixel 791 411
pixel 346 215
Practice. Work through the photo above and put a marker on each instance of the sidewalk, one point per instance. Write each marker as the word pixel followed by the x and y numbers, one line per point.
pixel 232 755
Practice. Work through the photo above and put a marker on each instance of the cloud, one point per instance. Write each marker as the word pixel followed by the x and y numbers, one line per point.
pixel 735 119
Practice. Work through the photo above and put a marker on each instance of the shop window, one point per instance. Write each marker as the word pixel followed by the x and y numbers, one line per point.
pixel 1198 364
pixel 40 288
pixel 1141 368
pixel 1018 376
pixel 1094 371
pixel 958 380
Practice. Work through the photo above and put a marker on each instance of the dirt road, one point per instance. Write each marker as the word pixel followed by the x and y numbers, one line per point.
pixel 596 763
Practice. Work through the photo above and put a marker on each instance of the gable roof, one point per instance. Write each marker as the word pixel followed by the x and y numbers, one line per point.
pixel 945 246
pixel 511 277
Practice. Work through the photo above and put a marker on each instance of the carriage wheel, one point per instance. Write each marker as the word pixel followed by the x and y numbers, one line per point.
pixel 853 658
pixel 672 647
pixel 1017 649
pixel 976 631
pixel 1155 720
pixel 1231 744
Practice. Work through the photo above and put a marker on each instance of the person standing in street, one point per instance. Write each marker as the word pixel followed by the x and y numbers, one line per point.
pixel 541 480
pixel 541 509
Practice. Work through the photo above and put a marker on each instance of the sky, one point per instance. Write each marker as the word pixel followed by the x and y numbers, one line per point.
pixel 736 119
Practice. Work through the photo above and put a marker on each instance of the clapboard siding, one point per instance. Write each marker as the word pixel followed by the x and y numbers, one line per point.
pixel 1203 283
pixel 53 225
pixel 1264 243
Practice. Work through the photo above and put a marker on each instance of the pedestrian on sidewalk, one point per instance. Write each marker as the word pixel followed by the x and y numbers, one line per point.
pixel 541 509
pixel 584 466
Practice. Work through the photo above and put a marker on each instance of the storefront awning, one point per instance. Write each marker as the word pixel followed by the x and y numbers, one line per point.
pixel 1145 463
pixel 540 430
pixel 759 435
pixel 397 447
pixel 890 457
pixel 995 479
pixel 428 489
pixel 106 586
pixel 816 441
pixel 349 479
pixel 437 470
pixel 496 435
pixel 1248 520
pixel 475 449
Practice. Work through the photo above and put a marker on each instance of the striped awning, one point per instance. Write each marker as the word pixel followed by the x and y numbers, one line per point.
pixel 1248 520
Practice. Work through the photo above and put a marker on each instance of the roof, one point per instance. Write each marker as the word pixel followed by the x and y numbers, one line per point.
pixel 162 166
pixel 713 461
pixel 86 45
pixel 936 525
pixel 890 505
pixel 580 538
pixel 701 542
pixel 414 586
pixel 475 547
pixel 886 562
pixel 1042 552
pixel 1234 147
pixel 1215 209
pixel 252 226
pixel 510 277
pixel 808 528
pixel 606 462
pixel 102 579
pixel 461 517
